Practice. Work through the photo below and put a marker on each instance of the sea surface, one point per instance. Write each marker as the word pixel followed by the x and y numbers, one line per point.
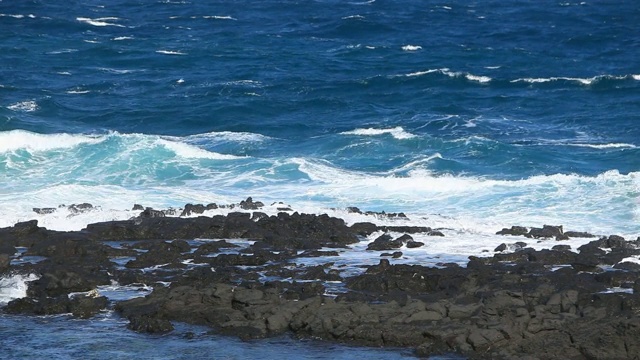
pixel 468 116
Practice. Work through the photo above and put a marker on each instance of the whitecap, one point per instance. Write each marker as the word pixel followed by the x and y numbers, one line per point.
pixel 219 17
pixel 420 73
pixel 99 21
pixel 21 139
pixel 78 91
pixel 352 17
pixel 636 77
pixel 397 132
pixel 411 47
pixel 230 136
pixel 120 38
pixel 194 152
pixel 480 79
pixel 582 81
pixel 26 106
pixel 606 146
pixel 170 52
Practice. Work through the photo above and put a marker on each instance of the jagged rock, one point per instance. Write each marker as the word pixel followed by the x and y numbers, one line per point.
pixel 547 231
pixel 80 208
pixel 249 204
pixel 151 213
pixel 385 242
pixel 414 244
pixel 514 230
pixel 137 207
pixel 44 211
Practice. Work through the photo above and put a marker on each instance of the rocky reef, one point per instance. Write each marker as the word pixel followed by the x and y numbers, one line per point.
pixel 519 303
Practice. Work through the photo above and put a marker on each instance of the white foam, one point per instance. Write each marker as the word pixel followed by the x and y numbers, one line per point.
pixel 636 77
pixel 352 17
pixel 26 106
pixel 99 21
pixel 582 81
pixel 170 52
pixel 14 287
pixel 20 139
pixel 397 132
pixel 227 136
pixel 412 47
pixel 189 151
pixel 219 17
pixel 120 38
pixel 607 146
pixel 453 74
pixel 78 91
pixel 480 79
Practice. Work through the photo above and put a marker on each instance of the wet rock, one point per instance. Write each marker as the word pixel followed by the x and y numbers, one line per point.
pixel 414 244
pixel 86 306
pixel 385 242
pixel 578 234
pixel 151 213
pixel 364 228
pixel 137 207
pixel 249 204
pixel 159 253
pixel 5 262
pixel 547 231
pixel 44 211
pixel 149 324
pixel 514 230
pixel 190 209
pixel 80 208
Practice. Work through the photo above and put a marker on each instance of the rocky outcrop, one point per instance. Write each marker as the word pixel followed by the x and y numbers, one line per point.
pixel 517 303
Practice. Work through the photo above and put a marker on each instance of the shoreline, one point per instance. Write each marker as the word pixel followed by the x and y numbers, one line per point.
pixel 249 280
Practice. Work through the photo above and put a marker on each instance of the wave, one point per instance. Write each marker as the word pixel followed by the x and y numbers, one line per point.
pixel 18 16
pixel 99 21
pixel 14 140
pixel 20 139
pixel 453 74
pixel 582 81
pixel 26 106
pixel 411 47
pixel 397 132
pixel 219 17
pixel 607 146
pixel 170 52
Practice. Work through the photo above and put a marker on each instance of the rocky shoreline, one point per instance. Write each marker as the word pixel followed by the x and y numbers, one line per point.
pixel 519 303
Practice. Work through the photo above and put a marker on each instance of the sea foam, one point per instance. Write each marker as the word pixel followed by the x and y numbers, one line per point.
pixel 21 139
pixel 397 132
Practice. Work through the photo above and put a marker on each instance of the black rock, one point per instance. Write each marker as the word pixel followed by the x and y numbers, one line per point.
pixel 149 324
pixel 515 230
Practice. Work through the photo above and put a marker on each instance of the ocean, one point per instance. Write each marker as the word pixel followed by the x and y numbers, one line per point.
pixel 467 116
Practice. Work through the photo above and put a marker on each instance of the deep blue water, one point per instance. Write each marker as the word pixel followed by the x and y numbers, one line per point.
pixel 486 114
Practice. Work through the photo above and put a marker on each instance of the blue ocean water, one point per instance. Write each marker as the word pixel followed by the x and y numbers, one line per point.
pixel 468 115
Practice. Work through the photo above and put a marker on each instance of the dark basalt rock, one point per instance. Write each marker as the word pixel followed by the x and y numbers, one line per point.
pixel 414 244
pixel 515 230
pixel 578 234
pixel 80 208
pixel 151 213
pixel 549 304
pixel 137 207
pixel 249 204
pixel 44 211
pixel 197 209
pixel 385 242
pixel 148 324
pixel 5 262
pixel 547 231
